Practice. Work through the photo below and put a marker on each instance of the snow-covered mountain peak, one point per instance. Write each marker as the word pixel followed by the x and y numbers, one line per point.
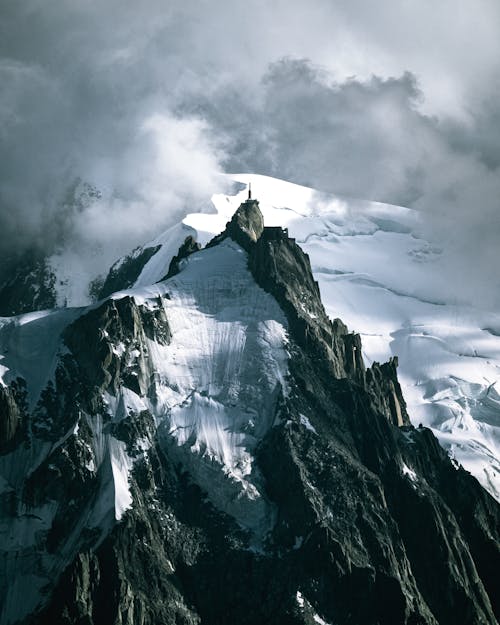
pixel 207 418
pixel 378 274
pixel 201 357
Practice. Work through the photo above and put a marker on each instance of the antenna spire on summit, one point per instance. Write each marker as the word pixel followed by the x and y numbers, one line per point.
pixel 249 190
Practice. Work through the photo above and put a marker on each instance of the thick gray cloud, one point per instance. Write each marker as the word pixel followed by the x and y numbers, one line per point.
pixel 371 139
pixel 150 101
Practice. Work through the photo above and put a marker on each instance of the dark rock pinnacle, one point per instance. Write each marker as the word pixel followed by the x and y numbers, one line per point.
pixel 246 226
pixel 186 249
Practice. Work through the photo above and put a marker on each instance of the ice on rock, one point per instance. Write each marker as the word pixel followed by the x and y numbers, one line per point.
pixel 121 464
pixel 307 424
pixel 410 473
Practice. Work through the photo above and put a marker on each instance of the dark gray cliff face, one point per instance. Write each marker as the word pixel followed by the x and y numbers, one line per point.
pixel 125 272
pixel 26 284
pixel 13 415
pixel 373 524
pixel 186 249
pixel 281 268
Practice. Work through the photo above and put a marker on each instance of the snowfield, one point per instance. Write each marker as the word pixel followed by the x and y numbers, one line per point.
pixel 218 380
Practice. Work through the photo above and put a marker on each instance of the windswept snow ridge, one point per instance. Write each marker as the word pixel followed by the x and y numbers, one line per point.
pixel 374 273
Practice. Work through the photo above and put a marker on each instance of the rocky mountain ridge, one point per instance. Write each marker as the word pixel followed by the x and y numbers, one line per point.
pixel 212 449
pixel 27 284
pixel 448 350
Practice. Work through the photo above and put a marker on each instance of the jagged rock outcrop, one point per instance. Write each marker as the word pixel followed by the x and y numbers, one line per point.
pixel 26 284
pixel 13 415
pixel 245 227
pixel 109 342
pixel 247 224
pixel 190 246
pixel 283 269
pixel 124 273
pixel 371 522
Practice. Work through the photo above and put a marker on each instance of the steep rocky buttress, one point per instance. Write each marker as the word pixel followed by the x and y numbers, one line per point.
pixel 213 450
pixel 27 283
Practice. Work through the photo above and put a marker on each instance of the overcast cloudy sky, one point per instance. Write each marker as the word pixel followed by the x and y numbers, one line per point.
pixel 150 101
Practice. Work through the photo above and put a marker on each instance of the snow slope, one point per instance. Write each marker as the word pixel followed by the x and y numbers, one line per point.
pixel 388 284
pixel 217 381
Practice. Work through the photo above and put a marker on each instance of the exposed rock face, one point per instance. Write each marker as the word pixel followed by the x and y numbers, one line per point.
pixel 125 271
pixel 281 267
pixel 372 523
pixel 28 284
pixel 94 337
pixel 186 249
pixel 246 226
pixel 12 415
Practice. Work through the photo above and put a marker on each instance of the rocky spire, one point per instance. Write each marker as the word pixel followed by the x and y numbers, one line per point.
pixel 246 225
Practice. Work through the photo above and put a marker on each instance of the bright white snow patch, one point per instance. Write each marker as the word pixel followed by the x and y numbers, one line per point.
pixel 410 473
pixel 319 620
pixel 170 241
pixel 303 602
pixel 120 465
pixel 307 424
